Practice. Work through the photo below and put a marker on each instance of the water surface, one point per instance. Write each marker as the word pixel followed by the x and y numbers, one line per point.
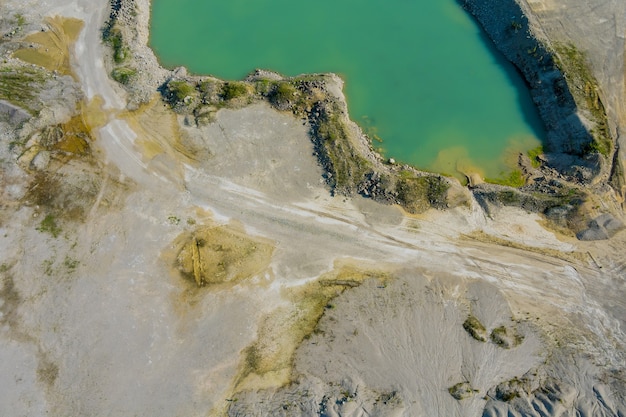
pixel 419 74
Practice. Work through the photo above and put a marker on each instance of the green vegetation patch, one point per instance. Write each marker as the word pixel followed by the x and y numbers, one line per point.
pixel 181 89
pixel 115 39
pixel 264 86
pixel 284 94
pixel 53 266
pixel 20 20
pixel 21 85
pixel 574 65
pixel 418 194
pixel 475 328
pixel 210 90
pixel 344 164
pixel 179 93
pixel 188 96
pixel 234 89
pixel 70 263
pixel 123 75
pixel 513 179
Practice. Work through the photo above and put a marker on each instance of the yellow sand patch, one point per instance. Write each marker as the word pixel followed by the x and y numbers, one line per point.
pixel 93 114
pixel 573 257
pixel 77 133
pixel 76 137
pixel 213 258
pixel 72 138
pixel 51 48
pixel 510 155
pixel 219 255
pixel 159 133
pixel 155 126
pixel 268 362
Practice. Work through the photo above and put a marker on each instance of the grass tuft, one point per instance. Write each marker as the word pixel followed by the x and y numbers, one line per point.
pixel 49 225
pixel 534 154
pixel 233 90
pixel 123 75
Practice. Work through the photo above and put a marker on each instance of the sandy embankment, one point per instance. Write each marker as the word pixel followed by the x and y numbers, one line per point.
pixel 122 333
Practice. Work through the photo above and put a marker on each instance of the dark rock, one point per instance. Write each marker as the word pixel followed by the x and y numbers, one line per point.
pixel 601 228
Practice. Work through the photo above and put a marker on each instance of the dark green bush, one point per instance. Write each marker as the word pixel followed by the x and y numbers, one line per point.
pixel 233 90
pixel 475 328
pixel 123 75
pixel 120 50
pixel 179 90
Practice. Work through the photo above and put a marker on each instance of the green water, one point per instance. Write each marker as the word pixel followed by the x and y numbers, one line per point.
pixel 418 74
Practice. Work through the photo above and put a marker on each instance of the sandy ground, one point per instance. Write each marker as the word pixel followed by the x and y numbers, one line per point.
pixel 99 320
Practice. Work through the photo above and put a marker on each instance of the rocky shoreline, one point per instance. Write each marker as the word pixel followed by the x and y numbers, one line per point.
pixel 578 163
pixel 350 163
pixel 582 144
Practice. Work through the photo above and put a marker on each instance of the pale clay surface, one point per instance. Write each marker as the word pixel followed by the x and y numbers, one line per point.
pixel 123 346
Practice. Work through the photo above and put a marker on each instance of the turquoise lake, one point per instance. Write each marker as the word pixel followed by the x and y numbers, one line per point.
pixel 418 74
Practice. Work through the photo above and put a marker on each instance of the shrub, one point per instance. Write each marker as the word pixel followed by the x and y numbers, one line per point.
pixel 178 91
pixel 418 194
pixel 123 75
pixel 233 90
pixel 263 87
